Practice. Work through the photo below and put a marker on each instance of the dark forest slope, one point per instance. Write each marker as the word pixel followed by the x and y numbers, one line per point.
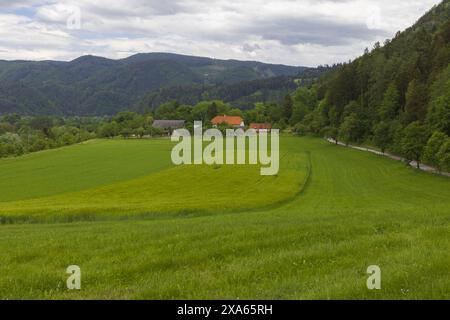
pixel 95 85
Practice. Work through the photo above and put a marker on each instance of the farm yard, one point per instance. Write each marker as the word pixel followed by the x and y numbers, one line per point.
pixel 141 228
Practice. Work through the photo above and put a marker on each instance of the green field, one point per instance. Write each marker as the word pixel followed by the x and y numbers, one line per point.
pixel 81 186
pixel 140 228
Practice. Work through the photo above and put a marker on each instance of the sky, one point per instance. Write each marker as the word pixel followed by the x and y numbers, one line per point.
pixel 292 32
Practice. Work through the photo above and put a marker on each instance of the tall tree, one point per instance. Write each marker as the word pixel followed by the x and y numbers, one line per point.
pixel 438 116
pixel 287 107
pixel 432 149
pixel 349 129
pixel 391 104
pixel 42 123
pixel 212 110
pixel 414 140
pixel 416 102
pixel 383 135
pixel 444 156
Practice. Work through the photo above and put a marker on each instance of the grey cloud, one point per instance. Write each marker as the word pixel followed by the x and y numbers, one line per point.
pixel 261 29
pixel 7 4
pixel 250 47
pixel 312 30
pixel 138 8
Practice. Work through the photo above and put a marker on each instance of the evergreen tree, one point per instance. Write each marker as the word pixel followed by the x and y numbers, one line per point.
pixel 416 102
pixel 432 149
pixel 438 117
pixel 287 107
pixel 444 156
pixel 212 110
pixel 391 104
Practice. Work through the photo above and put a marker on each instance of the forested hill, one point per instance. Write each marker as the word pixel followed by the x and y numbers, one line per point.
pixel 243 95
pixel 403 79
pixel 398 89
pixel 93 85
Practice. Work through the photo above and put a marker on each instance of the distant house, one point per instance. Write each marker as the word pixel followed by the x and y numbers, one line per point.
pixel 168 125
pixel 233 121
pixel 261 127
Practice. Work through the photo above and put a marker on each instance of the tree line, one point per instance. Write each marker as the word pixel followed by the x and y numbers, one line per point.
pixel 20 135
pixel 395 97
pixel 300 113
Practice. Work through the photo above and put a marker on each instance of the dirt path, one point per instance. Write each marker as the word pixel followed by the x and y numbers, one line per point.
pixel 423 167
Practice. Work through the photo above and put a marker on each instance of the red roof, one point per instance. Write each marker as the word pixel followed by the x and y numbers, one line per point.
pixel 232 121
pixel 261 126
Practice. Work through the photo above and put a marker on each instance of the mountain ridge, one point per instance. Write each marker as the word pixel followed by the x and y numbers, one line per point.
pixel 154 55
pixel 94 85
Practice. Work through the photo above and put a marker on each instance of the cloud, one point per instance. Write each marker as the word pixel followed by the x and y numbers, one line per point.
pixel 298 32
pixel 313 30
pixel 250 47
pixel 21 32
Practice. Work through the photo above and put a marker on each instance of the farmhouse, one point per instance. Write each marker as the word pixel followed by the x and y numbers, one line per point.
pixel 261 127
pixel 233 121
pixel 168 125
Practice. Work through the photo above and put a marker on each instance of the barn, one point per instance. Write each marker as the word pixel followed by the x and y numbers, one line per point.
pixel 169 125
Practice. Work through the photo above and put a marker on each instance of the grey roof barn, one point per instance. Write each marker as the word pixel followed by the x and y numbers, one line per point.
pixel 168 124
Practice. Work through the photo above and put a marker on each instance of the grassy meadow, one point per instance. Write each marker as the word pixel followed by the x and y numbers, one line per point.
pixel 145 187
pixel 141 228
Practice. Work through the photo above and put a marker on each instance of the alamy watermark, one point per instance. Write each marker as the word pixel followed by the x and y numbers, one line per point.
pixel 374 280
pixel 73 21
pixel 374 17
pixel 233 149
pixel 74 280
